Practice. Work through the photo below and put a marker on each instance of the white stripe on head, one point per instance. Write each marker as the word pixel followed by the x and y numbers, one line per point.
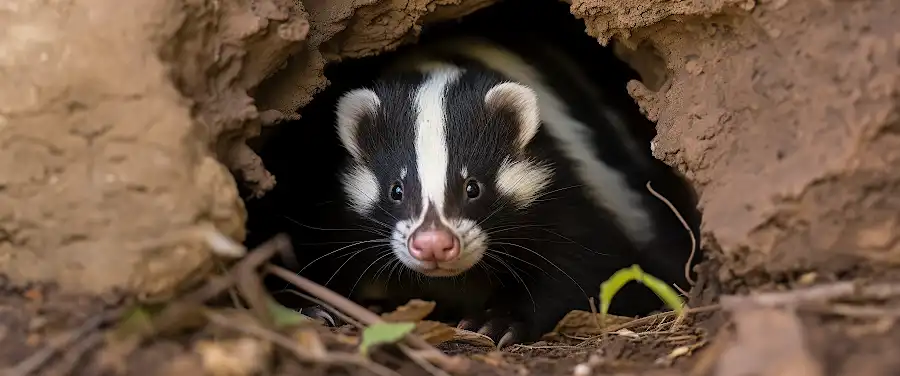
pixel 606 185
pixel 432 153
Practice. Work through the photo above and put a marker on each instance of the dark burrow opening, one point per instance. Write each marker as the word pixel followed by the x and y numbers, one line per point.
pixel 305 155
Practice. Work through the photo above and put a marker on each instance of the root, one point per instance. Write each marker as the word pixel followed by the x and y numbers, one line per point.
pixel 687 265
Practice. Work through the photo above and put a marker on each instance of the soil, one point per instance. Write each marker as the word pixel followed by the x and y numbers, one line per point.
pixel 122 130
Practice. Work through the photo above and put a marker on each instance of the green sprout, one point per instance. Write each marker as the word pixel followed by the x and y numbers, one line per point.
pixel 634 273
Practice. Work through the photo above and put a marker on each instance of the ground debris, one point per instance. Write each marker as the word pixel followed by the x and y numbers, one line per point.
pixel 800 331
pixel 754 352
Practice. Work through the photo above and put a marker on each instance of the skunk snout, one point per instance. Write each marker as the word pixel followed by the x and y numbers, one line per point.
pixel 434 245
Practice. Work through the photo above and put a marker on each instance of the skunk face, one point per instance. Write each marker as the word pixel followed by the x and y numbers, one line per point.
pixel 438 161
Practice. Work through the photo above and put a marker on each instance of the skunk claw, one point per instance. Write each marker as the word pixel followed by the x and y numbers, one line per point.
pixel 317 312
pixel 503 330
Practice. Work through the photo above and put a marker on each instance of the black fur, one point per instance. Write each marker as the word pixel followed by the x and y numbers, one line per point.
pixel 546 260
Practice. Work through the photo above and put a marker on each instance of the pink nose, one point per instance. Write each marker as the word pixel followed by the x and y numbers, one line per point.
pixel 434 245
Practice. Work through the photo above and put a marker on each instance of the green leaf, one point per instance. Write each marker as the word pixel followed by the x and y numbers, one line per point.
pixel 137 321
pixel 381 333
pixel 615 282
pixel 285 317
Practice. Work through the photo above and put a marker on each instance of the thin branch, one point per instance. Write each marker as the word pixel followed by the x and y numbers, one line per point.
pixel 687 265
pixel 70 339
pixel 246 275
pixel 650 319
pixel 298 351
pixel 364 315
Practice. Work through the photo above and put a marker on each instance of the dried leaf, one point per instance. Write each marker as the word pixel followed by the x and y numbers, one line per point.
pixel 627 333
pixel 310 341
pixel 584 323
pixel 244 356
pixel 412 311
pixel 345 339
pixel 679 351
pixel 435 332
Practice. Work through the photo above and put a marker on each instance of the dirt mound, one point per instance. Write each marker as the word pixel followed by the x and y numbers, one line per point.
pixel 119 127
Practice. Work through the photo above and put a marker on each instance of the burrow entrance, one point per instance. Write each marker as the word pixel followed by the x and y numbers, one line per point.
pixel 304 155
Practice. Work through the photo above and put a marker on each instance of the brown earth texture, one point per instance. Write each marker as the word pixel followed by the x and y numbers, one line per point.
pixel 123 147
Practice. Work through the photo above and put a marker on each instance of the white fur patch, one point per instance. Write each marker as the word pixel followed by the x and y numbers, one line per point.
pixel 524 181
pixel 523 101
pixel 606 185
pixel 351 108
pixel 361 187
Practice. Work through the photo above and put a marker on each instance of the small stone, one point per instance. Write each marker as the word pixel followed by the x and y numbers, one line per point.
pixel 807 279
pixel 34 294
pixel 693 67
pixel 582 370
pixel 37 323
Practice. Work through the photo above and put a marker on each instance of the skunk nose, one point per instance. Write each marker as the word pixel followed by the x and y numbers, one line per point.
pixel 438 245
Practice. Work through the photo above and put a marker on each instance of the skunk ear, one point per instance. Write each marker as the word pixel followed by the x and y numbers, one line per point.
pixel 352 108
pixel 522 101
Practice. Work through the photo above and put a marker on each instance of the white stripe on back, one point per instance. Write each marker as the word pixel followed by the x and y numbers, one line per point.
pixel 606 185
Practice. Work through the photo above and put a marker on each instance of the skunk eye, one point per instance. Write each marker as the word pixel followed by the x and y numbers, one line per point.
pixel 473 190
pixel 396 191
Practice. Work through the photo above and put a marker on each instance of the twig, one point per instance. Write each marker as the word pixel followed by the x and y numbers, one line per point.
pixel 247 280
pixel 211 289
pixel 331 309
pixel 663 315
pixel 687 265
pixel 75 353
pixel 363 315
pixel 814 294
pixel 594 313
pixel 299 352
pixel 421 359
pixel 681 290
pixel 40 358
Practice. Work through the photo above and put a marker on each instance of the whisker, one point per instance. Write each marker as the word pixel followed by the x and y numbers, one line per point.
pixel 369 230
pixel 498 229
pixel 549 262
pixel 547 193
pixel 488 269
pixel 386 265
pixel 574 242
pixel 507 254
pixel 388 253
pixel 344 242
pixel 534 240
pixel 519 279
pixel 501 206
pixel 348 260
pixel 340 249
